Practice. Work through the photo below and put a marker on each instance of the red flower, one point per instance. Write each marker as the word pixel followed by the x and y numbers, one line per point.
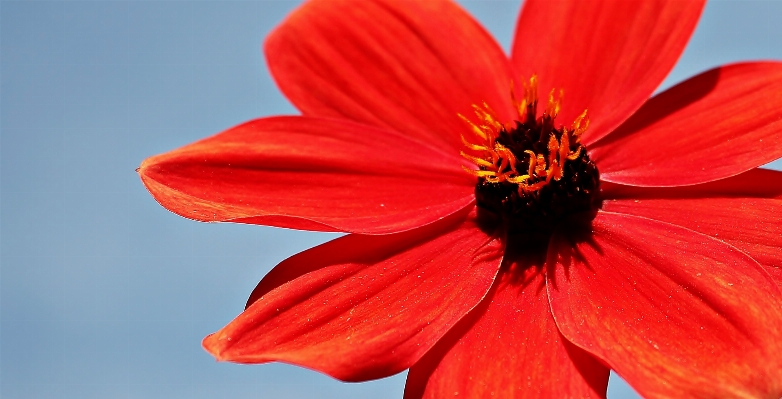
pixel 517 277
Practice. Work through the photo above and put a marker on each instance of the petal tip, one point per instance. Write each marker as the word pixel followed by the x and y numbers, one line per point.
pixel 216 344
pixel 144 168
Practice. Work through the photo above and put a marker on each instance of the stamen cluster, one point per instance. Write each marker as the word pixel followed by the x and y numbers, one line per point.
pixel 531 172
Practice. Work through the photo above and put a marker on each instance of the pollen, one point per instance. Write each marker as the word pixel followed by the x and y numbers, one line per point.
pixel 530 170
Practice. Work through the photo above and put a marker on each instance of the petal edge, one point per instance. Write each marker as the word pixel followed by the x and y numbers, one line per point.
pixel 364 307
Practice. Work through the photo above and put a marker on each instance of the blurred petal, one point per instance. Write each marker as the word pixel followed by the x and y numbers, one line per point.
pixel 508 347
pixel 715 125
pixel 608 56
pixel 310 173
pixel 674 312
pixel 364 307
pixel 411 66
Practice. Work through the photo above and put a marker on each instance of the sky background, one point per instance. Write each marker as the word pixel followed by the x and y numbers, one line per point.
pixel 105 294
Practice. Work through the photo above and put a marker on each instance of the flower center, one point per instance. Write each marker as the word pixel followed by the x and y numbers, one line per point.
pixel 531 173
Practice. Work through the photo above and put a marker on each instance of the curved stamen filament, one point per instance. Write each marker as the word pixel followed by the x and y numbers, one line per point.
pixel 497 162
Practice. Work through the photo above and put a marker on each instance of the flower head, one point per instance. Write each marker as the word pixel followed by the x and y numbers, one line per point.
pixel 498 246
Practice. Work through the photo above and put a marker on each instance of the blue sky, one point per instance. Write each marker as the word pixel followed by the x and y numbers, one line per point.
pixel 103 293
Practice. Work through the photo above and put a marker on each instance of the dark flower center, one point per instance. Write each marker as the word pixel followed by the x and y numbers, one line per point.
pixel 532 175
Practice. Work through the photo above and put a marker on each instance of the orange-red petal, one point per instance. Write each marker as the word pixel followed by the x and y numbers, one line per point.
pixel 714 125
pixel 364 307
pixel 674 312
pixel 608 56
pixel 409 65
pixel 744 211
pixel 755 183
pixel 508 347
pixel 753 225
pixel 310 173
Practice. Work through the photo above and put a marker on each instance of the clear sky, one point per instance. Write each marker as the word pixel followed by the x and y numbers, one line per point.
pixel 105 294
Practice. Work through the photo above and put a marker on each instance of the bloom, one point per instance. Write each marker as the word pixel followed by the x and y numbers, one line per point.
pixel 670 274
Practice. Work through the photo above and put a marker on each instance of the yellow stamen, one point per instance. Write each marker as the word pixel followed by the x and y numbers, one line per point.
pixel 519 179
pixel 507 155
pixel 553 148
pixel 487 115
pixel 475 129
pixel 531 92
pixel 554 104
pixel 474 147
pixel 575 154
pixel 478 173
pixel 532 163
pixel 524 188
pixel 579 126
pixel 499 164
pixel 564 147
pixel 477 161
pixel 540 169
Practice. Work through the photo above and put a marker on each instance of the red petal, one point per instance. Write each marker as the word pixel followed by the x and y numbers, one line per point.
pixel 715 125
pixel 509 347
pixel 744 219
pixel 309 173
pixel 364 307
pixel 674 312
pixel 755 183
pixel 411 66
pixel 608 56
